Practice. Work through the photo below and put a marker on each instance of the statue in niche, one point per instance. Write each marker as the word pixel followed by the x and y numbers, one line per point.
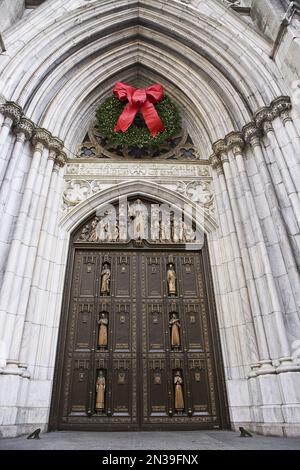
pixel 103 327
pixel 171 279
pixel 138 213
pixel 105 280
pixel 100 391
pixel 93 235
pixel 179 400
pixel 174 324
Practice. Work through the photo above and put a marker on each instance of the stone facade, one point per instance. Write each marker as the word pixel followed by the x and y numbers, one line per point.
pixel 240 105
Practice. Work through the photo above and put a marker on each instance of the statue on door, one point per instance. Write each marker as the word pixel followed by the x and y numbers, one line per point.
pixel 171 279
pixel 174 324
pixel 105 280
pixel 179 400
pixel 103 327
pixel 100 391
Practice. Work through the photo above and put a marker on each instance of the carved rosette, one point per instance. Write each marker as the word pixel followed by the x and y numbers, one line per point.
pixel 26 127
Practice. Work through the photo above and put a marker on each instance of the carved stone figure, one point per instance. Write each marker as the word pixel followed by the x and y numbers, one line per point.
pixel 188 233
pixel 177 232
pixel 171 279
pixel 93 233
pixel 105 280
pixel 100 392
pixel 174 324
pixel 84 233
pixel 102 336
pixel 138 213
pixel 179 400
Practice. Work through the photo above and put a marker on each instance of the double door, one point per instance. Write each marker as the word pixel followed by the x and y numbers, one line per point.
pixel 138 347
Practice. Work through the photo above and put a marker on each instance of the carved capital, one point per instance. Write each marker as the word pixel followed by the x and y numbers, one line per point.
pixel 220 147
pixel 12 110
pixel 267 127
pixel 41 138
pixel 235 142
pixel 25 126
pixel 215 162
pixel 56 145
pixel 263 115
pixel 252 134
pixel 281 105
pixel 61 159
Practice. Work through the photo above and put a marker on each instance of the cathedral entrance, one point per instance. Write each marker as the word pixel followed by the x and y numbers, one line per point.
pixel 139 343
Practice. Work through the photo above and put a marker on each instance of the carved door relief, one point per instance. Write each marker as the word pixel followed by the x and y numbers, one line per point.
pixel 138 346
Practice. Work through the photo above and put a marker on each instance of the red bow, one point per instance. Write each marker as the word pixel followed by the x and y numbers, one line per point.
pixel 142 99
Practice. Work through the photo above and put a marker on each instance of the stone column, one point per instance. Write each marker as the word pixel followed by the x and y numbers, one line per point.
pixel 13 277
pixel 37 307
pixel 23 131
pixel 263 119
pixel 276 224
pixel 265 362
pixel 282 107
pixel 32 241
pixel 10 190
pixel 235 268
pixel 12 115
pixel 272 310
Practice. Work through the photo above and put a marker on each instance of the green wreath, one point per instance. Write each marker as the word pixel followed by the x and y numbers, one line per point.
pixel 138 134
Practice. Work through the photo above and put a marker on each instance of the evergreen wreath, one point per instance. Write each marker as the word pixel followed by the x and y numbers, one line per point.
pixel 138 134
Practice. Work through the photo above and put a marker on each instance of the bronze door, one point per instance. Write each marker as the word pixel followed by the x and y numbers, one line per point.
pixel 144 354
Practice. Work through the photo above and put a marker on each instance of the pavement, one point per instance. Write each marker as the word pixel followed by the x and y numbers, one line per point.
pixel 187 440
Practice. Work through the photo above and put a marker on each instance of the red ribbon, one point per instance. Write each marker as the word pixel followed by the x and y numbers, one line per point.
pixel 139 99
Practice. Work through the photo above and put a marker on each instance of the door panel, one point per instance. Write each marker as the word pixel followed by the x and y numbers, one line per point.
pixel 139 365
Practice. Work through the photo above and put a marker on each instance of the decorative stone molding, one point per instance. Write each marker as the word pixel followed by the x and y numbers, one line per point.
pixel 77 191
pixel 24 126
pixel 41 138
pixel 199 192
pixel 220 147
pixel 12 111
pixel 96 147
pixel 61 159
pixel 121 170
pixel 215 162
pixel 235 142
pixel 252 132
pixel 281 105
